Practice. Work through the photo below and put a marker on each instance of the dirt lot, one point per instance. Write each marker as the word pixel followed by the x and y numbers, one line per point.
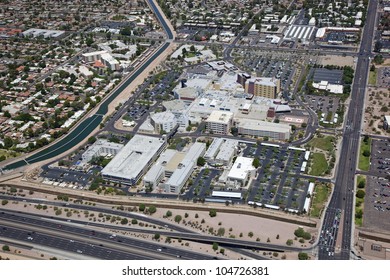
pixel 376 104
pixel 337 60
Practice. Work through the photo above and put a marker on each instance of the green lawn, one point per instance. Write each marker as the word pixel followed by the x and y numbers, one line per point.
pixel 324 143
pixel 319 164
pixel 364 162
pixel 321 194
pixel 372 78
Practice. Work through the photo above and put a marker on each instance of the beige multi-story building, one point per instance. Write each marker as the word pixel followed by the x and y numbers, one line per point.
pixel 219 122
pixel 265 87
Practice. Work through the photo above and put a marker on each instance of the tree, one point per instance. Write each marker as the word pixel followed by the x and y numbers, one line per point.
pixel 289 242
pixel 234 131
pixel 152 209
pixel 124 221
pixel 156 236
pixel 360 194
pixel 91 140
pixel 215 246
pixel 213 213
pixel 6 248
pixel 250 234
pixel 192 49
pixel 303 256
pixel 378 59
pixel 184 52
pixel 142 207
pixel 178 218
pixel 256 162
pixel 134 221
pixel 4 202
pixel 221 231
pixel 201 161
pixel 359 214
pixel 168 214
pixel 366 153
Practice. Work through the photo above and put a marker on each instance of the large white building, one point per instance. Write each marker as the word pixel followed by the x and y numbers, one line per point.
pixel 157 172
pixel 185 168
pixel 221 151
pixel 241 172
pixel 164 121
pixel 132 162
pixel 219 122
pixel 278 131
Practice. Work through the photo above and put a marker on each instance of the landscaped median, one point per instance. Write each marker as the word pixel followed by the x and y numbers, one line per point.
pixel 360 194
pixel 364 154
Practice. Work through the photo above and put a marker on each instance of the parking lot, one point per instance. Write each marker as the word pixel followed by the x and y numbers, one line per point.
pixel 66 178
pixel 270 65
pixel 380 157
pixel 278 180
pixel 377 204
pixel 202 186
pixel 326 107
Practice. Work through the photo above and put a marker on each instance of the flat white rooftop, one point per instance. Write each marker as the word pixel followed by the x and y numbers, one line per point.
pixel 264 126
pixel 240 168
pixel 227 194
pixel 220 117
pixel 133 158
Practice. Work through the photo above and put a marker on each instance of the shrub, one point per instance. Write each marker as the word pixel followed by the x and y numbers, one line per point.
pixel 360 194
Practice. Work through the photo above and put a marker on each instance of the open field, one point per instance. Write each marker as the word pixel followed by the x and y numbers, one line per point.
pixel 323 143
pixel 320 196
pixel 319 164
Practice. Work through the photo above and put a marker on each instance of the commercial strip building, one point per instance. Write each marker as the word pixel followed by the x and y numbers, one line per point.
pixel 185 168
pixel 277 131
pixel 241 172
pixel 132 162
pixel 101 147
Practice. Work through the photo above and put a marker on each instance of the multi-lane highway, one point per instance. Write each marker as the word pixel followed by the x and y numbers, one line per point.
pixel 166 229
pixel 81 131
pixel 342 200
pixel 40 230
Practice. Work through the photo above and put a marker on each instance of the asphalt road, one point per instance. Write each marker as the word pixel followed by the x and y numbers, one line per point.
pixel 69 237
pixel 343 195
